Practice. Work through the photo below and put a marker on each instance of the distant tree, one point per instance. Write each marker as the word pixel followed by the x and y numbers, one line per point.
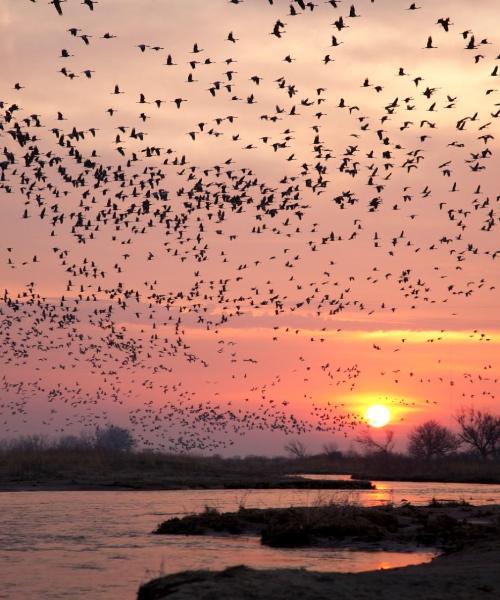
pixel 296 448
pixel 83 441
pixel 31 443
pixel 432 440
pixel 480 430
pixel 372 446
pixel 331 450
pixel 114 439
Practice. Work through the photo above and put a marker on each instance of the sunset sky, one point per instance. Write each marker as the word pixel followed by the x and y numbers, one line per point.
pixel 266 290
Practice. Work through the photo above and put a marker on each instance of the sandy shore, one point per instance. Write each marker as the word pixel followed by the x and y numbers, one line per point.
pixel 470 574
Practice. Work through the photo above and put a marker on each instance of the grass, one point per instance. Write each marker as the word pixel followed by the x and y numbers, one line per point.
pixel 440 525
pixel 436 503
pixel 146 469
pixel 98 468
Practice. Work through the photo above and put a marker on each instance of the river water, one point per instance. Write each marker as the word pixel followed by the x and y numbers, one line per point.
pixel 99 545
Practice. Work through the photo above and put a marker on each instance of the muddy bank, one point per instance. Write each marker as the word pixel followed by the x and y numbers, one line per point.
pixel 470 574
pixel 184 483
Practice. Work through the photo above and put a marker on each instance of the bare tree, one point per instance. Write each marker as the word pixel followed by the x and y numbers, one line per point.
pixel 331 450
pixel 432 440
pixel 372 446
pixel 31 443
pixel 83 441
pixel 296 448
pixel 480 430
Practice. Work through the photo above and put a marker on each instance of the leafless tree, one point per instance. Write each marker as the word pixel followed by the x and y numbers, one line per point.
pixel 480 430
pixel 296 448
pixel 330 449
pixel 372 446
pixel 31 443
pixel 432 440
pixel 83 441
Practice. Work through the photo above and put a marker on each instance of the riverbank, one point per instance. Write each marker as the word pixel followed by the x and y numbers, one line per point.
pixel 80 469
pixel 185 483
pixel 468 536
pixel 469 574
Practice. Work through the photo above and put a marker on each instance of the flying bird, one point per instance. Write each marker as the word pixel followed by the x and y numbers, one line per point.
pixel 57 5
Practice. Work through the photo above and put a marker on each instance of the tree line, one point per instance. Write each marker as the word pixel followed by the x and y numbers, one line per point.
pixel 478 433
pixel 111 439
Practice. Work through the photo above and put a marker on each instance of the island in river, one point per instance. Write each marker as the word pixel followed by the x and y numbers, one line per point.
pixel 467 569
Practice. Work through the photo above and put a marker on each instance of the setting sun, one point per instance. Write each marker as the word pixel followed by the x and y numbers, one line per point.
pixel 377 415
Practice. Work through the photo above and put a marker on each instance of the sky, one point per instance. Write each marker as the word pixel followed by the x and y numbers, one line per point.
pixel 312 232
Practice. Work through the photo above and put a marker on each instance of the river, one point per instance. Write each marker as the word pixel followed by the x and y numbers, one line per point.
pixel 99 545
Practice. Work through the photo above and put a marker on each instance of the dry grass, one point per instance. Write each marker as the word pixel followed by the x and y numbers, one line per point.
pixel 449 526
pixel 45 462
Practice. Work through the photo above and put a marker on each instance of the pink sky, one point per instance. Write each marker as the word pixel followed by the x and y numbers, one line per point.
pixel 416 278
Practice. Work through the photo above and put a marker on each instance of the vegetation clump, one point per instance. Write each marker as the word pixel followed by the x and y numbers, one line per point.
pixel 347 525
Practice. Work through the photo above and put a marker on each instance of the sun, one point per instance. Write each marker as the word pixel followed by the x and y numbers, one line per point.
pixel 377 415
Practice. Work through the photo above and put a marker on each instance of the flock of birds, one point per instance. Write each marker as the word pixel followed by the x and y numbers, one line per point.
pixel 161 263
